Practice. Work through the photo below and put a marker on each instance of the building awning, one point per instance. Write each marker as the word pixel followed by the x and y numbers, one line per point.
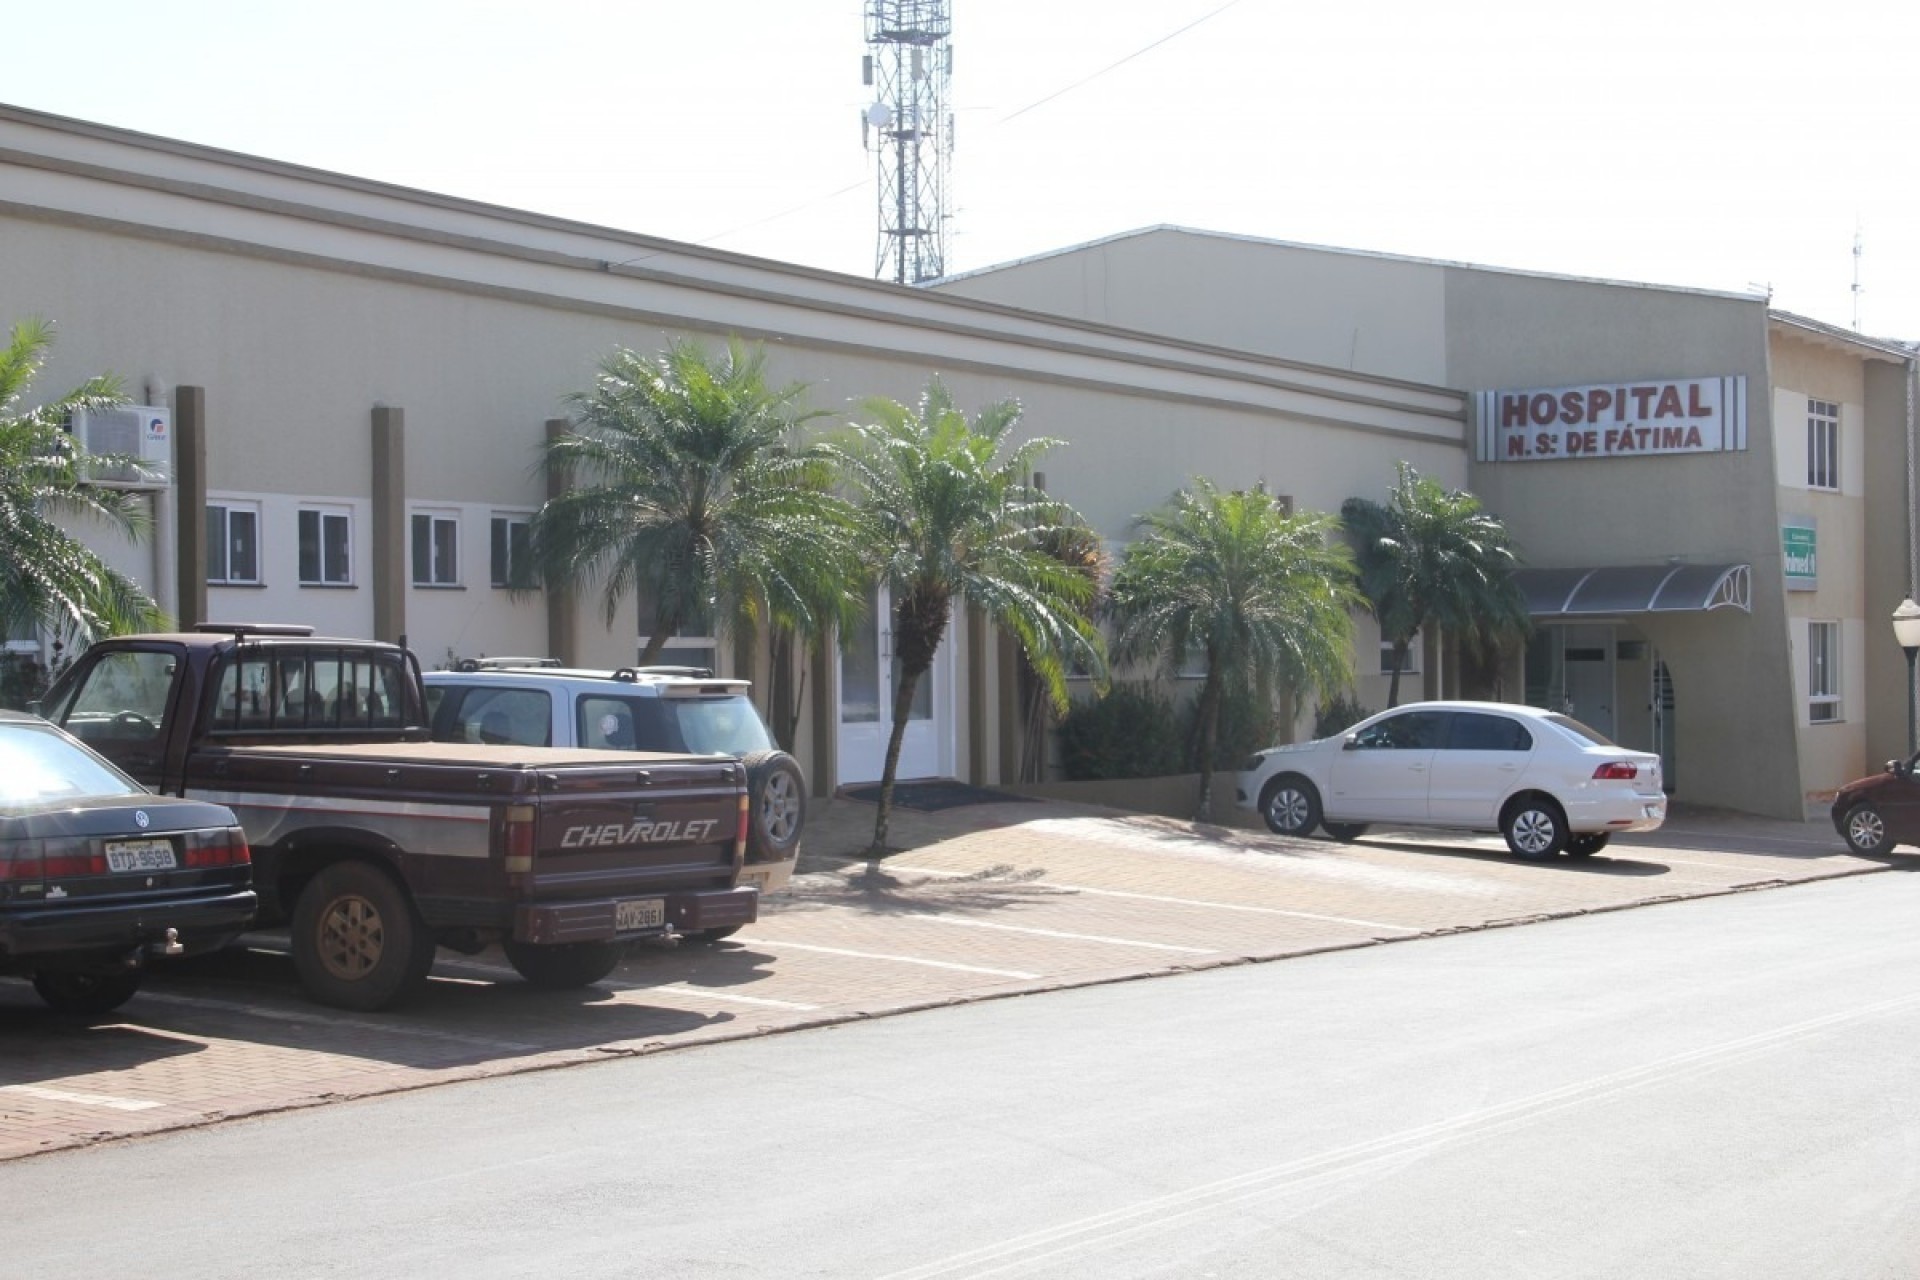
pixel 1635 588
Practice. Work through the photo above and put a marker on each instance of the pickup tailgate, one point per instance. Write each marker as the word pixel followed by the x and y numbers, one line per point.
pixel 631 850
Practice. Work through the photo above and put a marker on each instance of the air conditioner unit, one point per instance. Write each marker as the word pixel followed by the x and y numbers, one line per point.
pixel 138 431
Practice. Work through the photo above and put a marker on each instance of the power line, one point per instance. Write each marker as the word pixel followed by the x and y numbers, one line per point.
pixel 1121 63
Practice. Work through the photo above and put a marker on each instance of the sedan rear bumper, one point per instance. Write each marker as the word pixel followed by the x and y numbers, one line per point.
pixel 204 922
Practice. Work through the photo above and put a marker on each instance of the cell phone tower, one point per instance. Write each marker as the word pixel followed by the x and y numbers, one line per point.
pixel 909 130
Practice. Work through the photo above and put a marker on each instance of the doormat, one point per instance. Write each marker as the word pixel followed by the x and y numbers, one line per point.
pixel 931 797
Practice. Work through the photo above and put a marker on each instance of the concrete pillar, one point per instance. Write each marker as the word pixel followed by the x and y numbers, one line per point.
pixel 190 506
pixel 563 624
pixel 389 542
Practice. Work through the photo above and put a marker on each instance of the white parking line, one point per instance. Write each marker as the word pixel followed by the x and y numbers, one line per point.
pixel 872 955
pixel 84 1099
pixel 1187 902
pixel 705 993
pixel 1071 937
pixel 333 1021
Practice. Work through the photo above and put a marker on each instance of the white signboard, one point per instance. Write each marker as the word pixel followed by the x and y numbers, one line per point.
pixel 1613 420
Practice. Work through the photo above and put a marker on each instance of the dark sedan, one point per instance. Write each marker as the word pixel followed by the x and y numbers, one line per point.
pixel 1874 814
pixel 98 874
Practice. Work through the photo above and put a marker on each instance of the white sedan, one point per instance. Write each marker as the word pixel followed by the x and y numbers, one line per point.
pixel 1546 782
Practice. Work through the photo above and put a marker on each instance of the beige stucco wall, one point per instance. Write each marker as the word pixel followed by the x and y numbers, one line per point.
pixel 301 302
pixel 1739 715
pixel 1328 307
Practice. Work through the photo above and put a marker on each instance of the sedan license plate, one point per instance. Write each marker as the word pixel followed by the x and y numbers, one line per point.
pixel 639 913
pixel 139 855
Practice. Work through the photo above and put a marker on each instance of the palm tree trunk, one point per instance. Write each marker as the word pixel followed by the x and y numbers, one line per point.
pixel 1399 661
pixel 902 707
pixel 1209 720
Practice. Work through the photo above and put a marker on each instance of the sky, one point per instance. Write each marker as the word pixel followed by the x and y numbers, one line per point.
pixel 1754 147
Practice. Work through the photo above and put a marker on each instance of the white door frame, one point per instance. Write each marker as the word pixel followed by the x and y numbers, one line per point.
pixel 864 687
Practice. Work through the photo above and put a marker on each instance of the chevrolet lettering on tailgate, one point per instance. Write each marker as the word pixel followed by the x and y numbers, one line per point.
pixel 643 831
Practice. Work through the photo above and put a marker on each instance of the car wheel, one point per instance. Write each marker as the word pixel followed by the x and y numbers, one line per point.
pixel 358 943
pixel 1586 844
pixel 1534 827
pixel 1866 830
pixel 776 806
pixel 1344 832
pixel 563 966
pixel 86 994
pixel 1290 805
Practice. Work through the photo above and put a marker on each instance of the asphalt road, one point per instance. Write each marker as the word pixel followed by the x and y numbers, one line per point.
pixel 1714 1088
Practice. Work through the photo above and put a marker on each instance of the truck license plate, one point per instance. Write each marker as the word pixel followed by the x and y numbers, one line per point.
pixel 139 855
pixel 639 913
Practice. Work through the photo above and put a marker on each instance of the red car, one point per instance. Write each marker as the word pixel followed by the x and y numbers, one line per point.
pixel 1874 814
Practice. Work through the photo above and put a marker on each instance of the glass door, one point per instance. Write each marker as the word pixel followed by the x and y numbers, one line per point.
pixel 869 674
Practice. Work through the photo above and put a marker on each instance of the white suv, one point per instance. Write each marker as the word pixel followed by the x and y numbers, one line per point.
pixel 536 702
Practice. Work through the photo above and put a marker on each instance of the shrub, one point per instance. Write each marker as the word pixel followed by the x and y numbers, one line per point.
pixel 1246 725
pixel 1130 733
pixel 1339 712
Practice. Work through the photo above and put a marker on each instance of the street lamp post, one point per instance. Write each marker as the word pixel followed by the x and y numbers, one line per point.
pixel 1906 631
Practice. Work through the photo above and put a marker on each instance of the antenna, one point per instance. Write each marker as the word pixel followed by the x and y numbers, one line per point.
pixel 1857 290
pixel 909 129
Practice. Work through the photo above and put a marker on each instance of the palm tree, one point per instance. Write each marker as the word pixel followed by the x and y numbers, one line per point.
pixel 48 577
pixel 1434 557
pixel 949 517
pixel 1258 595
pixel 689 483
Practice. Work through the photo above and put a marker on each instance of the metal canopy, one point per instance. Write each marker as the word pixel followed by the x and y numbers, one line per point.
pixel 1636 588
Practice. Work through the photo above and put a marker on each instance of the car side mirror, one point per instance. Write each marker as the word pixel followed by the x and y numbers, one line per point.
pixel 1898 768
pixel 33 709
pixel 1352 741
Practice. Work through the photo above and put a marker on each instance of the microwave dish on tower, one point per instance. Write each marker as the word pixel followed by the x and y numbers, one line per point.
pixel 909 129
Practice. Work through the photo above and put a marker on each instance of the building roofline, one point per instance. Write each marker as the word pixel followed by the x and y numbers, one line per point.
pixel 1818 330
pixel 1270 242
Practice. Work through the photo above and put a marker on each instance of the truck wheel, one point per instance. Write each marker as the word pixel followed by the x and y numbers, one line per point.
pixel 776 805
pixel 564 965
pixel 358 943
pixel 87 994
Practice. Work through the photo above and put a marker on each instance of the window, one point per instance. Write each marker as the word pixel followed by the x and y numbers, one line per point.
pixel 1476 731
pixel 436 550
pixel 1411 664
pixel 326 547
pixel 512 552
pixel 1823 672
pixel 1823 445
pixel 682 649
pixel 233 544
pixel 1409 731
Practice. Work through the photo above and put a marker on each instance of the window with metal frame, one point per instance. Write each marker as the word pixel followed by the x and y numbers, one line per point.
pixel 1823 672
pixel 233 544
pixel 511 552
pixel 436 549
pixel 1823 444
pixel 326 547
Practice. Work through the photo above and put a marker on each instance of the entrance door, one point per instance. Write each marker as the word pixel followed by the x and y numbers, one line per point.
pixel 1663 720
pixel 1588 653
pixel 868 676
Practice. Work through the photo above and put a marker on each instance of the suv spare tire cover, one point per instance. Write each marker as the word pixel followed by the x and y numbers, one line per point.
pixel 776 805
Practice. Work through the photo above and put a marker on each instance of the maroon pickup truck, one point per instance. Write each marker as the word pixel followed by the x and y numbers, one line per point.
pixel 377 845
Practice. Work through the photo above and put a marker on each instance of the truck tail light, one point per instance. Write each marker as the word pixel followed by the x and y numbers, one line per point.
pixel 1617 770
pixel 226 847
pixel 519 842
pixel 740 832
